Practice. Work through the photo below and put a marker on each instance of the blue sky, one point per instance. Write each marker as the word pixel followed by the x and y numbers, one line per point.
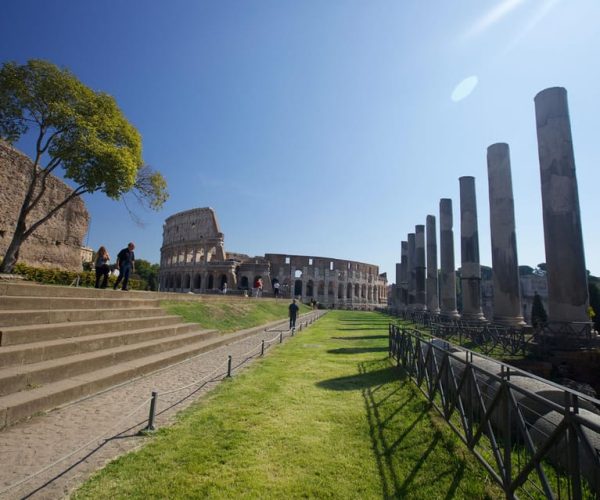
pixel 327 128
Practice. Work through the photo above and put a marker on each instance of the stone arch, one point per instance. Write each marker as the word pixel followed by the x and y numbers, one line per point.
pixel 357 290
pixel 349 291
pixel 186 281
pixel 298 288
pixel 340 291
pixel 177 284
pixel 222 281
pixel 244 282
pixel 310 288
pixel 321 289
pixel 211 282
pixel 330 290
pixel 197 281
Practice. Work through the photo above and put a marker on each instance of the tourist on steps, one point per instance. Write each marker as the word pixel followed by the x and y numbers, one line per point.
pixel 126 265
pixel 102 269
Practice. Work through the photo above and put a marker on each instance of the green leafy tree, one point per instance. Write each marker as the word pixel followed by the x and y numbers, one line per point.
pixel 75 129
pixel 147 272
pixel 538 313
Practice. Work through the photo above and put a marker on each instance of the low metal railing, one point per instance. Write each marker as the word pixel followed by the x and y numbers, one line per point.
pixel 536 439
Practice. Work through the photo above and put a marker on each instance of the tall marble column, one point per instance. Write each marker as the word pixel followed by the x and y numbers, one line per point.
pixel 397 291
pixel 403 274
pixel 411 273
pixel 447 270
pixel 505 265
pixel 433 303
pixel 470 269
pixel 565 257
pixel 420 299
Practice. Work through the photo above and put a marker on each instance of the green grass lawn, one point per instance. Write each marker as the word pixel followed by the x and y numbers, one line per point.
pixel 228 315
pixel 325 415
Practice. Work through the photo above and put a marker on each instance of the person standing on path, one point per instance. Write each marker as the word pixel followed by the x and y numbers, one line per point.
pixel 293 313
pixel 126 265
pixel 276 289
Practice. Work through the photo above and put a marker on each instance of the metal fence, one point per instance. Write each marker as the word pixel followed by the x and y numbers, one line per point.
pixel 536 439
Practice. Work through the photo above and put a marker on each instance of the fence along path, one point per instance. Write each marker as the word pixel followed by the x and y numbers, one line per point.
pixel 51 455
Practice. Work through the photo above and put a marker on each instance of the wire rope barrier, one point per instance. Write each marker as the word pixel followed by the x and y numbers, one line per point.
pixel 308 319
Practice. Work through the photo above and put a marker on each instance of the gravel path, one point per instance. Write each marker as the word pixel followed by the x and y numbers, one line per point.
pixel 101 427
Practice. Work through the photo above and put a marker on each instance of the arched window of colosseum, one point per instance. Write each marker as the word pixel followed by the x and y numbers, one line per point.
pixel 321 289
pixel 310 261
pixel 199 255
pixel 222 281
pixel 197 281
pixel 211 282
pixel 330 291
pixel 357 290
pixel 186 281
pixel 287 260
pixel 310 288
pixel 349 291
pixel 244 282
pixel 177 282
pixel 363 292
pixel 340 291
pixel 298 288
pixel 189 258
pixel 369 293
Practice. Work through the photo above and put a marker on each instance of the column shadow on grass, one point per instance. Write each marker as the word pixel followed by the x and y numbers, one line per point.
pixel 393 435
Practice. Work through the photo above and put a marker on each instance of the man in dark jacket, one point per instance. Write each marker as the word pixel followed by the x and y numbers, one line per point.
pixel 293 313
pixel 126 265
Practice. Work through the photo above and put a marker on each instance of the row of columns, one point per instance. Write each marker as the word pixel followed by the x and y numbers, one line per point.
pixel 417 276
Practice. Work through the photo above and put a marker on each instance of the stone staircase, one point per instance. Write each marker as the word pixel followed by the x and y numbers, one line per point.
pixel 58 344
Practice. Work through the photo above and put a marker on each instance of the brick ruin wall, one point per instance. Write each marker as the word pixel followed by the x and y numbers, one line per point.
pixel 56 243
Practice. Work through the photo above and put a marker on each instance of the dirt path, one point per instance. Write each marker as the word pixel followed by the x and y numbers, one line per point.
pixel 105 425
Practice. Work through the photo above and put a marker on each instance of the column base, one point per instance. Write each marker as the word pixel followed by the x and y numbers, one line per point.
pixel 517 321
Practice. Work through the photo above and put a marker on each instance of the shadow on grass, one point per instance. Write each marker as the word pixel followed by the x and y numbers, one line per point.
pixel 361 328
pixel 361 380
pixel 406 455
pixel 356 350
pixel 364 337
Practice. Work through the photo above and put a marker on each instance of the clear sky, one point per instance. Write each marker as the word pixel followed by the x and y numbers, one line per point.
pixel 328 128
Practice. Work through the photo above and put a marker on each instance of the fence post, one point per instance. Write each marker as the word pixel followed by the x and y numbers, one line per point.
pixel 281 336
pixel 152 414
pixel 505 370
pixel 262 348
pixel 572 404
pixel 229 365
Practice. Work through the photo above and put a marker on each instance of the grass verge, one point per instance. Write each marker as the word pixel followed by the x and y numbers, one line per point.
pixel 231 315
pixel 325 415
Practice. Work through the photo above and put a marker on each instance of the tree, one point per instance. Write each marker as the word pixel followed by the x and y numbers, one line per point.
pixel 148 272
pixel 538 313
pixel 76 129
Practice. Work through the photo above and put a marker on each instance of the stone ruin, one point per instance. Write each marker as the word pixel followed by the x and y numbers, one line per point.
pixel 56 243
pixel 565 259
pixel 193 259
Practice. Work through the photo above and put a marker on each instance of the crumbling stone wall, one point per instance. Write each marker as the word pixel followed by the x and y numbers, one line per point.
pixel 55 244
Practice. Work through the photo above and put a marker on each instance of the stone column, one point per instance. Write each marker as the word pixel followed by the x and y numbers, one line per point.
pixel 470 271
pixel 411 271
pixel 403 274
pixel 565 257
pixel 433 303
pixel 420 299
pixel 505 265
pixel 447 270
pixel 397 291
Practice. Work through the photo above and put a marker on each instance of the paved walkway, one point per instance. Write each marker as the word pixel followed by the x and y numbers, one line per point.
pixel 105 425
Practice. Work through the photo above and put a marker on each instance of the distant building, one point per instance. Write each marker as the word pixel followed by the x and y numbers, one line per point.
pixel 193 259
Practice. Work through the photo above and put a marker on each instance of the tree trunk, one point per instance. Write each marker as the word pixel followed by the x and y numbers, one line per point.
pixel 12 252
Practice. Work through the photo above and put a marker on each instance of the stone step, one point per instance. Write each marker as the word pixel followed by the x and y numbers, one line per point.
pixel 20 405
pixel 23 377
pixel 25 334
pixel 38 352
pixel 40 317
pixel 15 303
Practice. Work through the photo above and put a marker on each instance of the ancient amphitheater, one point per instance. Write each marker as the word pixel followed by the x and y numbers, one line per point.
pixel 193 259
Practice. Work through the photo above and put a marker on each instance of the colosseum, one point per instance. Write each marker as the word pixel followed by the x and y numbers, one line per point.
pixel 193 259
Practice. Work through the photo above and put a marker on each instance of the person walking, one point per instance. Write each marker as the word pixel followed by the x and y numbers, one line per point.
pixel 276 289
pixel 293 314
pixel 126 266
pixel 101 266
